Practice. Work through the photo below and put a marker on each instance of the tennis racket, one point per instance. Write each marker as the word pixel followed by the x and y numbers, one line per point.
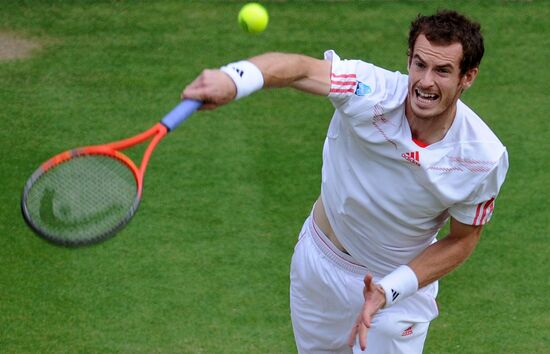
pixel 86 195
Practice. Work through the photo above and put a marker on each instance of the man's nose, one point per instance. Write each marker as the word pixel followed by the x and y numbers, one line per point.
pixel 427 79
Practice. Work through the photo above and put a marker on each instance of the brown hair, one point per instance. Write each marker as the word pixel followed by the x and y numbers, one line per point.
pixel 447 27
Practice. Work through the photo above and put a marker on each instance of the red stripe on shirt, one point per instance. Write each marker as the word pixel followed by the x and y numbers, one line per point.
pixel 488 205
pixel 477 213
pixel 342 90
pixel 353 76
pixel 342 83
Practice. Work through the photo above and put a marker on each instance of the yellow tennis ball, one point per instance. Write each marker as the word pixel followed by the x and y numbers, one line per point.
pixel 253 18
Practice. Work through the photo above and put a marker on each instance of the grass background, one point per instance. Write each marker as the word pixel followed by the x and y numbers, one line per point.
pixel 204 266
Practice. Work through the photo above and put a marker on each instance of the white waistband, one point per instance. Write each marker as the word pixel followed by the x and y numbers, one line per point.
pixel 326 247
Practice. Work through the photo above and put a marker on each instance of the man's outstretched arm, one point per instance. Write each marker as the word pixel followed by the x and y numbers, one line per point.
pixel 215 87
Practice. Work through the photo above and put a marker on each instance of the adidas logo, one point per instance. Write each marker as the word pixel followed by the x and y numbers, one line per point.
pixel 239 71
pixel 407 332
pixel 394 295
pixel 413 157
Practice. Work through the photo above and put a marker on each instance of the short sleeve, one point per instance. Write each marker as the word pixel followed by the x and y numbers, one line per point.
pixel 478 210
pixel 359 88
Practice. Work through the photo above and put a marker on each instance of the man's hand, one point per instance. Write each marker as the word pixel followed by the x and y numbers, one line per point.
pixel 213 87
pixel 375 299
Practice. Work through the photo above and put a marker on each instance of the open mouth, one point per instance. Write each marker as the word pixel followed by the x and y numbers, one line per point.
pixel 426 97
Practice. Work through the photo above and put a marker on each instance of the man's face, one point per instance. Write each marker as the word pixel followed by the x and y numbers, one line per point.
pixel 435 83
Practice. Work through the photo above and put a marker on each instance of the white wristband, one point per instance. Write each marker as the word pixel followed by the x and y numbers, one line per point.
pixel 246 76
pixel 399 284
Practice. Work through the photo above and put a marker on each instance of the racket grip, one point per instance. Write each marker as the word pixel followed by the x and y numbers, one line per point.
pixel 180 113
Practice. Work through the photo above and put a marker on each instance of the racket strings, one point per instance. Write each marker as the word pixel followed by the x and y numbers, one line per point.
pixel 82 199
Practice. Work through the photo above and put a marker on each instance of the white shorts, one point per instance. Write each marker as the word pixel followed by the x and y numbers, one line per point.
pixel 326 295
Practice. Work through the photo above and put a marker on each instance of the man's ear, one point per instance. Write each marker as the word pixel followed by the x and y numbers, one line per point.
pixel 469 78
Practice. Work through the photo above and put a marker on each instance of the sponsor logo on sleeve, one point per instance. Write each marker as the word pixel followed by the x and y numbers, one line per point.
pixel 362 89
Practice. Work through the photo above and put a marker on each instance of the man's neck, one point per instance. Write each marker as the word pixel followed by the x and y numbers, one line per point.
pixel 430 130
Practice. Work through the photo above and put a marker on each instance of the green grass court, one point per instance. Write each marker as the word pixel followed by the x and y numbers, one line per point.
pixel 203 268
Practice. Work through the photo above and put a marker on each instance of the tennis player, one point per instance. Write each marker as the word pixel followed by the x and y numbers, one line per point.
pixel 402 156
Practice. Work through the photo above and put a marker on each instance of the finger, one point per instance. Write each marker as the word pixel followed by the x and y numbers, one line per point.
pixel 209 106
pixel 353 335
pixel 198 88
pixel 363 336
pixel 366 315
pixel 368 280
pixel 366 319
pixel 207 102
pixel 190 93
pixel 196 93
pixel 368 284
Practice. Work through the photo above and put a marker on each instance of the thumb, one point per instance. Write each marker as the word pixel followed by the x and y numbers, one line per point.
pixel 368 283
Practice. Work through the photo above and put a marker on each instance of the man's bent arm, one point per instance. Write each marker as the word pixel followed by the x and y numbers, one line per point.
pixel 445 255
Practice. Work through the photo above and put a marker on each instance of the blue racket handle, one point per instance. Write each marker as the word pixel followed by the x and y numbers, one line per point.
pixel 182 111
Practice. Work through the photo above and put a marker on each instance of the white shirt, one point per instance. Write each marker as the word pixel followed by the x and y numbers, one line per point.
pixel 385 196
